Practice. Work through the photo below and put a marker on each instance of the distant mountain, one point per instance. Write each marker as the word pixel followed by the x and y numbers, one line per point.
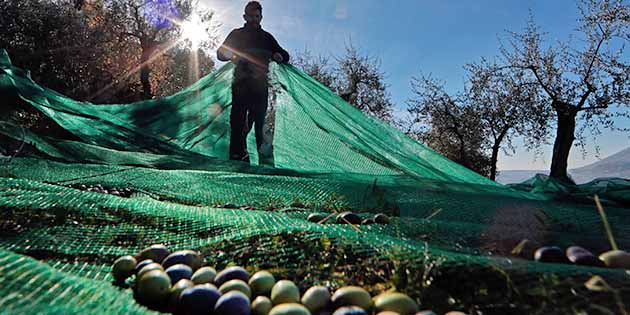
pixel 616 165
pixel 517 176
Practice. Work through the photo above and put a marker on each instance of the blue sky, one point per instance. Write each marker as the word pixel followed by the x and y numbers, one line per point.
pixel 418 36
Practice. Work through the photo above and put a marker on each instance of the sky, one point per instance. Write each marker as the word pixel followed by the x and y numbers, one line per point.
pixel 412 37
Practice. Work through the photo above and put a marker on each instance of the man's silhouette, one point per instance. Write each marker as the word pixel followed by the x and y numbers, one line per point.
pixel 251 49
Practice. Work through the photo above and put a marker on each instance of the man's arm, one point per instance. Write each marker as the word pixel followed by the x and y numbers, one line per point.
pixel 225 52
pixel 275 47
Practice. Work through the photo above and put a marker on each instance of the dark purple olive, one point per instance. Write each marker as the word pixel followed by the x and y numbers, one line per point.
pixel 233 303
pixel 381 218
pixel 581 256
pixel 315 217
pixel 231 273
pixel 186 257
pixel 156 253
pixel 368 221
pixel 348 217
pixel 350 310
pixel 550 254
pixel 179 272
pixel 199 300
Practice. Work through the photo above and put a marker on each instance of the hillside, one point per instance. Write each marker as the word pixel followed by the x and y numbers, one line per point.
pixel 616 165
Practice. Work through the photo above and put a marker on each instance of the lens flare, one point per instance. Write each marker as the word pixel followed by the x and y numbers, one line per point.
pixel 194 30
pixel 160 13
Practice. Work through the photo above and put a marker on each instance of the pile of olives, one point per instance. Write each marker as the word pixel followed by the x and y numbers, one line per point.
pixel 98 188
pixel 179 283
pixel 581 256
pixel 348 217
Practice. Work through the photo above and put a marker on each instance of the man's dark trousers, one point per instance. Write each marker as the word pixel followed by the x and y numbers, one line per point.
pixel 249 107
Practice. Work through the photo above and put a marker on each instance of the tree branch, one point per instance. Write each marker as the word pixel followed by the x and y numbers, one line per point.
pixel 454 126
pixel 594 57
pixel 139 27
pixel 539 79
pixel 594 107
pixel 585 96
pixel 130 34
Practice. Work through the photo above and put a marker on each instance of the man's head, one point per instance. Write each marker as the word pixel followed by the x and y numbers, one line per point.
pixel 253 13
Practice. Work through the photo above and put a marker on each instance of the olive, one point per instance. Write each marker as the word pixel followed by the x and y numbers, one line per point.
pixel 395 302
pixel 551 254
pixel 236 285
pixel 204 275
pixel 186 257
pixel 352 296
pixel 315 217
pixel 616 259
pixel 156 253
pixel 381 218
pixel 179 272
pixel 261 306
pixel 289 309
pixel 285 291
pixel 350 310
pixel 154 286
pixel 261 283
pixel 123 268
pixel 199 300
pixel 348 217
pixel 231 273
pixel 233 303
pixel 316 298
pixel 581 256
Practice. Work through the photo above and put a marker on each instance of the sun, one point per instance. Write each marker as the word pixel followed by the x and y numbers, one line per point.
pixel 194 30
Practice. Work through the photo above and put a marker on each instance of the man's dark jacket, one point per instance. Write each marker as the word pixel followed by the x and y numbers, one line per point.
pixel 254 48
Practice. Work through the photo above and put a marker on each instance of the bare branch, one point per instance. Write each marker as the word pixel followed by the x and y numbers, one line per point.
pixel 593 58
pixel 542 84
pixel 595 107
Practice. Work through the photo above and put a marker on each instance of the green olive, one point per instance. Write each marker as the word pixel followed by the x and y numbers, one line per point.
pixel 123 268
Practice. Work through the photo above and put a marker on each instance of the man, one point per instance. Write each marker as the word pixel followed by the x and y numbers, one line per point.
pixel 251 49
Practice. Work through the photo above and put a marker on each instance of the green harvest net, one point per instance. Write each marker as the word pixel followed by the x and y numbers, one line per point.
pixel 162 176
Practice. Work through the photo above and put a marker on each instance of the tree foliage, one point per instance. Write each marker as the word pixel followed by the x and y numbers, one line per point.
pixel 355 77
pixel 495 106
pixel 56 44
pixel 508 105
pixel 448 124
pixel 586 84
pixel 581 86
pixel 93 50
pixel 153 30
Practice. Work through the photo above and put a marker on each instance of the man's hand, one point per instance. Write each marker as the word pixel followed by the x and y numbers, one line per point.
pixel 230 55
pixel 277 57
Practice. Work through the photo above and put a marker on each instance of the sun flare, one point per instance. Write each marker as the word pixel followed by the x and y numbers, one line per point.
pixel 194 30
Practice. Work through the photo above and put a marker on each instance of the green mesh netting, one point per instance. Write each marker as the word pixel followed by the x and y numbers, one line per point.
pixel 448 246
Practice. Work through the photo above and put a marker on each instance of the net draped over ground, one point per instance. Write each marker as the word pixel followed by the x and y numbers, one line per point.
pixel 448 244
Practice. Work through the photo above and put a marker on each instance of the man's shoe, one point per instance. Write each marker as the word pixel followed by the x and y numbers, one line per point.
pixel 245 158
pixel 240 157
pixel 266 159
